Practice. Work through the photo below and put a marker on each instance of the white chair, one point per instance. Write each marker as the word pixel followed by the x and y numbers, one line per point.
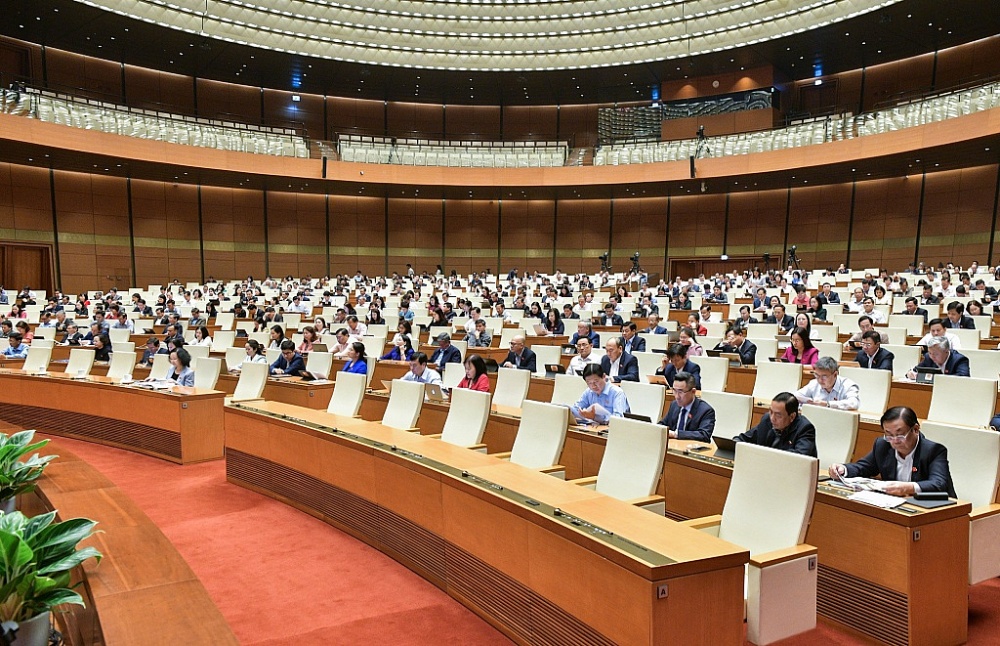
pixel 81 362
pixel 714 372
pixel 223 340
pixel 983 364
pixel 206 372
pixel 757 331
pixel 632 463
pixel 121 364
pixel 655 341
pixel 467 417
pixel 198 351
pixel 348 394
pixel 272 355
pixel 234 357
pixel 774 378
pixel 965 401
pixel 540 438
pixel 968 338
pixel 567 390
pixel 118 335
pixel 454 373
pixel 225 321
pixel 544 355
pixel 874 387
pixel 766 348
pixel 512 387
pixel 904 358
pixel 37 359
pixel 733 412
pixel 48 333
pixel 914 325
pixel 974 462
pixel 829 333
pixel 321 363
pixel 123 347
pixel 160 367
pixel 836 432
pixel 253 378
pixel 781 577
pixel 41 343
pixel 649 363
pixel 509 333
pixel 405 402
pixel 897 335
pixel 644 399
pixel 832 349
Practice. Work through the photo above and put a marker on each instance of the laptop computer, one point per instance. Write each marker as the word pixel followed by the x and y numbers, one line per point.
pixel 724 448
pixel 320 347
pixel 568 348
pixel 307 375
pixel 673 336
pixel 539 329
pixel 657 379
pixel 388 384
pixel 925 375
pixel 553 369
pixel 778 359
pixel 735 358
pixel 640 418
pixel 434 393
pixel 491 365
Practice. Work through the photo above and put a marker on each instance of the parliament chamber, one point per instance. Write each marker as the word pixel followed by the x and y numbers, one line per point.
pixel 231 168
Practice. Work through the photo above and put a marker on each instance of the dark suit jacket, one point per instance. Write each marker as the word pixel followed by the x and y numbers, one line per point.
pixel 595 339
pixel 628 367
pixel 957 364
pixel 834 298
pixel 919 312
pixel 295 367
pixel 638 345
pixel 691 368
pixel 698 427
pixel 659 329
pixel 881 361
pixel 740 323
pixel 747 352
pixel 786 323
pixel 799 437
pixel 451 354
pixel 615 320
pixel 930 465
pixel 965 323
pixel 528 359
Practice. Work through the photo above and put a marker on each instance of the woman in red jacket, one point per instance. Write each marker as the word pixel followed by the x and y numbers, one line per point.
pixel 475 374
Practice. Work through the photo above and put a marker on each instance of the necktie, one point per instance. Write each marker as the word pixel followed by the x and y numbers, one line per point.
pixel 682 419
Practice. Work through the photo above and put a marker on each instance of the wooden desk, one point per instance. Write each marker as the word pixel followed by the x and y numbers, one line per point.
pixel 183 425
pixel 142 592
pixel 895 576
pixel 487 531
pixel 290 390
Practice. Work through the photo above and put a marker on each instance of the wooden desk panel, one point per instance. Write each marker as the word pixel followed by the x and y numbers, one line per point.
pixel 183 425
pixel 291 390
pixel 530 572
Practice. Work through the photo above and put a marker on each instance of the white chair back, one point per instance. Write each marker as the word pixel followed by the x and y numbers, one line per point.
pixel 405 402
pixel 773 378
pixel 253 378
pixel 322 363
pixel 223 340
pixel 118 335
pixel 714 372
pixel 914 325
pixel 348 394
pixel 453 375
pixel 829 349
pixel 467 417
pixel 983 364
pixel 761 331
pixel 904 358
pixel 81 361
pixel 644 399
pixel 123 347
pixel 733 412
pixel 206 372
pixel 836 432
pixel 272 355
pixel 649 363
pixel 545 354
pixel 37 359
pixel 540 435
pixel 42 343
pixel 160 367
pixel 633 459
pixel 509 333
pixel 828 333
pixel 968 338
pixel 121 364
pixel 198 351
pixel 973 459
pixel 766 348
pixel 791 479
pixel 567 390
pixel 512 387
pixel 234 357
pixel 225 321
pixel 874 388
pixel 977 399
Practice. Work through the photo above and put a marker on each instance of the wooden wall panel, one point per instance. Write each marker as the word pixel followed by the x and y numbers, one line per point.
pixel 640 224
pixel 306 113
pixel 296 234
pixel 736 81
pixel 582 234
pixel 973 62
pixel 472 122
pixel 530 122
pixel 526 236
pixel 885 222
pixel 470 229
pixel 958 215
pixel 889 80
pixel 697 223
pixel 359 116
pixel 818 221
pixel 578 124
pixel 415 233
pixel 83 75
pixel 757 224
pixel 357 235
pixel 414 120
pixel 155 90
pixel 165 218
pixel 228 101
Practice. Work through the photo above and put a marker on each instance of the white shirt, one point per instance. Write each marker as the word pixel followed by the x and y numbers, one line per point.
pixel 904 467
pixel 845 394
pixel 578 363
pixel 614 367
pixel 429 376
pixel 952 339
pixel 876 315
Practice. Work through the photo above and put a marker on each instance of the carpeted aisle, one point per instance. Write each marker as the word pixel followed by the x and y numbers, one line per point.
pixel 334 588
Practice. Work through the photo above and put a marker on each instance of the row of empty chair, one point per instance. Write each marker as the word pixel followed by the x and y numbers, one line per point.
pixel 469 154
pixel 147 124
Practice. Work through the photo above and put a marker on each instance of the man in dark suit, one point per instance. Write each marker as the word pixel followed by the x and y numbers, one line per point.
pixel 912 308
pixel 689 417
pixel 957 319
pixel 619 365
pixel 744 319
pixel 654 325
pixel 872 354
pixel 783 428
pixel 675 361
pixel 907 462
pixel 584 328
pixel 290 362
pixel 609 318
pixel 520 355
pixel 828 296
pixel 633 342
pixel 784 321
pixel 446 352
pixel 940 355
pixel 736 342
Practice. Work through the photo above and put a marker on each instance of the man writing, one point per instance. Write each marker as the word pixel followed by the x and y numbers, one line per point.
pixel 941 356
pixel 520 356
pixel 617 364
pixel 583 357
pixel 828 388
pixel 601 401
pixel 872 354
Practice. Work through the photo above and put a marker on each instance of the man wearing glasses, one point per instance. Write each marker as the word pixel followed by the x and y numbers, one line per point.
pixel 520 356
pixel 583 356
pixel 689 417
pixel 828 388
pixel 907 462
pixel 783 428
pixel 872 354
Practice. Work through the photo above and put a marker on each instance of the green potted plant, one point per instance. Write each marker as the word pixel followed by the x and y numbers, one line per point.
pixel 36 559
pixel 18 476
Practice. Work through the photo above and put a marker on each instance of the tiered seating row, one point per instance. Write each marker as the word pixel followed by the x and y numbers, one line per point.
pixel 469 154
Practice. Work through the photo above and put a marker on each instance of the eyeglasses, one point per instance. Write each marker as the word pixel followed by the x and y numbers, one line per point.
pixel 678 391
pixel 896 438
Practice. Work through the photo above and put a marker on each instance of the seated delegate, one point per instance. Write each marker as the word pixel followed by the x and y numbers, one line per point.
pixel 601 401
pixel 290 362
pixel 783 428
pixel 941 356
pixel 181 372
pixel 420 372
pixel 689 417
pixel 356 360
pixel 905 460
pixel 674 361
pixel 828 388
pixel 475 375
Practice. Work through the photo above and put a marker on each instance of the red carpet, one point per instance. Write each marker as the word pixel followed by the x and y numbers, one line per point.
pixel 334 588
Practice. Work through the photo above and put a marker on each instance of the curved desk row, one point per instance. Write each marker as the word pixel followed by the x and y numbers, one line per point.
pixel 142 592
pixel 544 560
pixel 181 424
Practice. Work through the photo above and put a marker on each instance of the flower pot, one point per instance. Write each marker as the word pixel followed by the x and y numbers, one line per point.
pixel 9 506
pixel 34 631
